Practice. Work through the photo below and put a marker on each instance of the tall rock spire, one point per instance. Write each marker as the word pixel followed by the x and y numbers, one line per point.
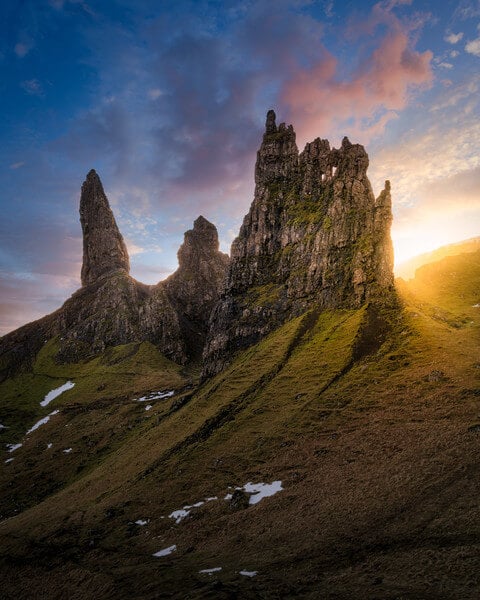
pixel 104 250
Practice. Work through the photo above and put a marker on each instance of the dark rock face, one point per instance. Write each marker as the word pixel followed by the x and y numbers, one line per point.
pixel 195 287
pixel 104 250
pixel 314 236
pixel 112 308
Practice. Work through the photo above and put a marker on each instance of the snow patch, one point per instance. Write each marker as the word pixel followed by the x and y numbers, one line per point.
pixel 9 460
pixel 13 447
pixel 155 396
pixel 148 407
pixel 211 498
pixel 42 421
pixel 210 571
pixel 166 551
pixel 249 573
pixel 260 491
pixel 476 306
pixel 67 450
pixel 2 427
pixel 179 515
pixel 56 392
pixel 142 522
pixel 49 445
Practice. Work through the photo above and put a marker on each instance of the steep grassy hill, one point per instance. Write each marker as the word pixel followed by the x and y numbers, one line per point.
pixel 369 418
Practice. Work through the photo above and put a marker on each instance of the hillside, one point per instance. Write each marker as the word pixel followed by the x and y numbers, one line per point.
pixel 369 417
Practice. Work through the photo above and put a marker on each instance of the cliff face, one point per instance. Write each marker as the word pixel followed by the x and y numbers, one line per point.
pixel 112 308
pixel 314 236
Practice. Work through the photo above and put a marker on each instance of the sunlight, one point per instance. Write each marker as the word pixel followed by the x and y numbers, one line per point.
pixel 424 237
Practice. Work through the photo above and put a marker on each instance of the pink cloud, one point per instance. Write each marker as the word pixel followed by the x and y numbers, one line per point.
pixel 318 99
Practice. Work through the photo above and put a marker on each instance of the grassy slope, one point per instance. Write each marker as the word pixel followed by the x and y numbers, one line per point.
pixel 375 441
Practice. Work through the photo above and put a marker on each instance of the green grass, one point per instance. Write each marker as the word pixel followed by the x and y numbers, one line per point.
pixel 119 372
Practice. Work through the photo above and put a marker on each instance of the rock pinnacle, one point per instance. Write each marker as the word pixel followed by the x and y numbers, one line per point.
pixel 104 250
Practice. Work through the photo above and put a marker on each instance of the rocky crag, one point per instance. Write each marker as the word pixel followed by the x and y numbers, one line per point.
pixel 315 236
pixel 112 308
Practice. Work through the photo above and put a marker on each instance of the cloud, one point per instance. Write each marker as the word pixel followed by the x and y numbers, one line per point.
pixel 33 87
pixel 473 47
pixel 445 65
pixel 446 150
pixel 453 38
pixel 320 99
pixel 21 49
pixel 454 53
pixel 155 94
pixel 17 165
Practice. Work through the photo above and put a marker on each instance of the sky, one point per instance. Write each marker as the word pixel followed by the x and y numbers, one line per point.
pixel 167 101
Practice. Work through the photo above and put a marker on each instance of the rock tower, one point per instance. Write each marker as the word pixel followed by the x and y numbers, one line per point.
pixel 315 236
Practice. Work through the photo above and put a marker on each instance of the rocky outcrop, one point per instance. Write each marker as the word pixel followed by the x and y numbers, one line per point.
pixel 195 287
pixel 314 236
pixel 104 250
pixel 112 308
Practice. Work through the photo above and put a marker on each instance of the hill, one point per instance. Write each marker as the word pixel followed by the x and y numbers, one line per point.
pixel 333 455
pixel 374 441
pixel 407 269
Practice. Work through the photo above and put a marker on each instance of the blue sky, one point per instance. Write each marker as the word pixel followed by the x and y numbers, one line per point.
pixel 167 101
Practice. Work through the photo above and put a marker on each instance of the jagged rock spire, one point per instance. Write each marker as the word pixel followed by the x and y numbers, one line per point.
pixel 314 237
pixel 104 250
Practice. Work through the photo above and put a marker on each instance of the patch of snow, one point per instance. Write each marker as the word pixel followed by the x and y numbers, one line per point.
pixel 249 573
pixel 166 551
pixel 9 460
pixel 210 571
pixel 3 427
pixel 148 407
pixel 49 445
pixel 260 491
pixel 13 447
pixel 211 499
pixel 42 421
pixel 155 396
pixel 178 515
pixel 476 306
pixel 56 392
pixel 228 497
pixel 142 522
pixel 67 450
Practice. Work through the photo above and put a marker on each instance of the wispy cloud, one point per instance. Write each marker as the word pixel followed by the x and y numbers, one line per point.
pixel 473 47
pixel 17 165
pixel 453 38
pixel 33 87
pixel 21 49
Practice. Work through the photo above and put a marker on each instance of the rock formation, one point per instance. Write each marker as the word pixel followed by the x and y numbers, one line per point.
pixel 314 236
pixel 104 250
pixel 112 308
pixel 194 288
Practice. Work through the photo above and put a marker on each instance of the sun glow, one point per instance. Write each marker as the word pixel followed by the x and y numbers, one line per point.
pixel 416 240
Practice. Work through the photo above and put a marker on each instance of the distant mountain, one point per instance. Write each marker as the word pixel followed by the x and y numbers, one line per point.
pixel 407 269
